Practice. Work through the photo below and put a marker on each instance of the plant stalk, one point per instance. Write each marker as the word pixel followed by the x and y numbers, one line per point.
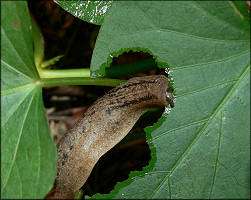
pixel 80 81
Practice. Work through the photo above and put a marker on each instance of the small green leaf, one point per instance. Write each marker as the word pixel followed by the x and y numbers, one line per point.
pixel 51 61
pixel 79 194
pixel 89 11
pixel 28 153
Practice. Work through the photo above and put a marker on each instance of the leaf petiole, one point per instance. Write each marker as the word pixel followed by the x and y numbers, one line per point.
pixel 80 81
pixel 64 73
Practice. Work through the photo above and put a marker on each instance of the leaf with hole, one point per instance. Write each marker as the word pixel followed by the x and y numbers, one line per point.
pixel 202 149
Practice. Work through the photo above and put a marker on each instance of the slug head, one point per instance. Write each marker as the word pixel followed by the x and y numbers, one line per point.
pixel 152 90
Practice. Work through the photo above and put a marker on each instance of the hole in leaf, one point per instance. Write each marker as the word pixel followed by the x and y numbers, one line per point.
pixel 133 152
pixel 131 64
pixel 74 38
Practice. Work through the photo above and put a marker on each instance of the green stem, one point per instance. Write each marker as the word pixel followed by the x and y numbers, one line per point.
pixel 64 73
pixel 113 71
pixel 131 68
pixel 79 194
pixel 38 44
pixel 80 81
pixel 52 61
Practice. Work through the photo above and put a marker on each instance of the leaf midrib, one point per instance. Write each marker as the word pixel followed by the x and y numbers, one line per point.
pixel 219 108
pixel 16 89
pixel 39 151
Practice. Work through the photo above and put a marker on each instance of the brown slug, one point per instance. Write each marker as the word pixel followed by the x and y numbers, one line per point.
pixel 102 126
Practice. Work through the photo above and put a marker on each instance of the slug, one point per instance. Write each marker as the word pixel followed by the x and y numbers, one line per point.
pixel 102 126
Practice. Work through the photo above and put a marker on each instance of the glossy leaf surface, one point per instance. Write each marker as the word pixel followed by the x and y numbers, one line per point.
pixel 89 11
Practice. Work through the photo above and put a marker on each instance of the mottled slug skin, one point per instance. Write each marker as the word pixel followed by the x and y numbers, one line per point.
pixel 102 126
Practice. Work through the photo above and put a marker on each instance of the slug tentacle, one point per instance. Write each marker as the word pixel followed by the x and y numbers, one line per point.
pixel 102 126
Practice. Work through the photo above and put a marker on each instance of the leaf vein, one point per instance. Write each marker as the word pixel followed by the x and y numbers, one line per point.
pixel 208 87
pixel 20 57
pixel 218 19
pixel 217 157
pixel 39 153
pixel 215 61
pixel 195 36
pixel 15 109
pixel 180 127
pixel 17 145
pixel 231 92
pixel 14 69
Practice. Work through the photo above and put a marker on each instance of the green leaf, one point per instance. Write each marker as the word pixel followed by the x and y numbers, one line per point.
pixel 89 11
pixel 202 149
pixel 28 153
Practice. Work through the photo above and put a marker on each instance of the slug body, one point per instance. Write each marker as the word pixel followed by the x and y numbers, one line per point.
pixel 102 126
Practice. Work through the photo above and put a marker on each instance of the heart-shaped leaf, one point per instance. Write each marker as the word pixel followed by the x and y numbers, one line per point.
pixel 28 153
pixel 202 149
